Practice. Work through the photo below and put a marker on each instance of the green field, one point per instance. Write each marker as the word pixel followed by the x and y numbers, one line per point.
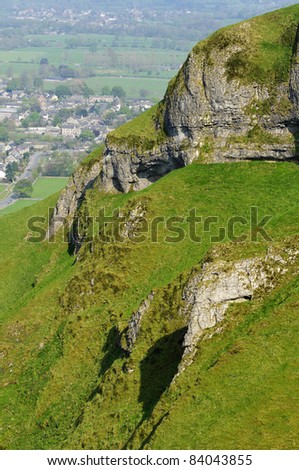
pixel 131 85
pixel 17 206
pixel 46 186
pixel 133 64
pixel 2 189
pixel 42 188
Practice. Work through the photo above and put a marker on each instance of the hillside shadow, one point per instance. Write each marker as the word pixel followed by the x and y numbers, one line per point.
pixel 158 369
pixel 113 352
pixel 74 238
pixel 112 349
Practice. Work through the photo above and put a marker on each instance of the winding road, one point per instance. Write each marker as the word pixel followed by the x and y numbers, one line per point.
pixel 27 174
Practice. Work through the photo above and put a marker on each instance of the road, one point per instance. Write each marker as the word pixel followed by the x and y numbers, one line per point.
pixel 33 163
pixel 27 174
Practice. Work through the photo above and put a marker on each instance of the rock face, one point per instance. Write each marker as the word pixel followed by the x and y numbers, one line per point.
pixel 126 169
pixel 131 333
pixel 219 108
pixel 241 120
pixel 69 200
pixel 209 294
pixel 294 81
pixel 224 105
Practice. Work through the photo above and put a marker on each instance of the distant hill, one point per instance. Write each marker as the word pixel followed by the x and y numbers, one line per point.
pixel 167 4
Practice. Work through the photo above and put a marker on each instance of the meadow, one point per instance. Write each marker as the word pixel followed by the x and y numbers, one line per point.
pixel 3 188
pixel 43 187
pixel 113 60
pixel 46 186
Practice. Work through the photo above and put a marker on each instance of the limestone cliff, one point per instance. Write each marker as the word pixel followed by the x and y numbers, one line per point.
pixel 72 195
pixel 235 98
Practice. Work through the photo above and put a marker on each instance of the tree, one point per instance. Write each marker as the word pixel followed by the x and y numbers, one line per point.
pixel 93 48
pixel 62 91
pixel 26 81
pixel 118 91
pixel 62 116
pixel 10 171
pixel 66 72
pixel 35 108
pixel 4 136
pixel 81 112
pixel 112 57
pixel 106 90
pixel 38 83
pixel 33 120
pixel 14 84
pixel 44 61
pixel 86 135
pixel 109 117
pixel 143 93
pixel 87 91
pixel 23 189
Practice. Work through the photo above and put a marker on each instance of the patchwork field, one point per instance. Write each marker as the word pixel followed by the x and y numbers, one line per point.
pixel 121 58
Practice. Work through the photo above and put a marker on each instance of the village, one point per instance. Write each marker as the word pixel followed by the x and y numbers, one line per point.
pixel 58 126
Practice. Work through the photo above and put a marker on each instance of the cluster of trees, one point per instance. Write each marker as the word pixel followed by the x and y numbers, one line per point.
pixel 78 88
pixel 14 168
pixel 26 81
pixel 29 83
pixel 4 134
pixel 60 164
pixel 117 91
pixel 23 189
pixel 33 120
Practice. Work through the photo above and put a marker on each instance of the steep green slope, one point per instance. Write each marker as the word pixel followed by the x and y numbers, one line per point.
pixel 240 392
pixel 64 370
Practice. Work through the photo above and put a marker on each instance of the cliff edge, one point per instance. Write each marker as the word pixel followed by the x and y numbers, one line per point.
pixel 235 98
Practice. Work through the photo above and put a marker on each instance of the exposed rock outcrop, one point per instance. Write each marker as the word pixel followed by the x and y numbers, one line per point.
pixel 216 110
pixel 131 333
pixel 72 195
pixel 209 294
pixel 294 81
pixel 128 169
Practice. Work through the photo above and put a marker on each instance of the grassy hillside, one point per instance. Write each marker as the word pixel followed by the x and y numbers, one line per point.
pixel 64 371
pixel 242 384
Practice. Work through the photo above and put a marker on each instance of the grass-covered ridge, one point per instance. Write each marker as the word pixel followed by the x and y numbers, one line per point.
pixel 64 373
pixel 267 46
pixel 93 157
pixel 141 133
